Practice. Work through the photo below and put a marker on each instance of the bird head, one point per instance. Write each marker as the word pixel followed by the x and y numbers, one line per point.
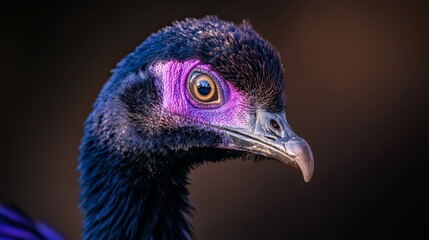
pixel 201 85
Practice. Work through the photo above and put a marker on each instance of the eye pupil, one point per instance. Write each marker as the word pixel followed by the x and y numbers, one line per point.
pixel 203 88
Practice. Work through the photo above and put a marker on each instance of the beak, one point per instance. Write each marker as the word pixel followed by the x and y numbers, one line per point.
pixel 272 137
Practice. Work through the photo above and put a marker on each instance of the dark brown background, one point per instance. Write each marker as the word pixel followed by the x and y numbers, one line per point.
pixel 357 83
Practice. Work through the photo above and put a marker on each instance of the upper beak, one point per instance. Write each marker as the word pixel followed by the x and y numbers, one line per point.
pixel 272 137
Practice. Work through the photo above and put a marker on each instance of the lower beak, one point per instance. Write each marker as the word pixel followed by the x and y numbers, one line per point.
pixel 272 137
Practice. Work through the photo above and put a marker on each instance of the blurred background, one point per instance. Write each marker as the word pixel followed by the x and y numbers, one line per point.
pixel 356 81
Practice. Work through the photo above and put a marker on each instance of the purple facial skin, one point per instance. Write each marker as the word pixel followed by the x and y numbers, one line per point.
pixel 176 99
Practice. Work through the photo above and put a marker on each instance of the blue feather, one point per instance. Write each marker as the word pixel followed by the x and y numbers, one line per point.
pixel 15 224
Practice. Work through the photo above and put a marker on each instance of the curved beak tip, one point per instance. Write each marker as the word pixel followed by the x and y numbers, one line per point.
pixel 307 166
pixel 301 153
pixel 307 175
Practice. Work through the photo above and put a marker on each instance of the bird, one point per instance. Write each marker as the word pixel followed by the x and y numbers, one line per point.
pixel 197 91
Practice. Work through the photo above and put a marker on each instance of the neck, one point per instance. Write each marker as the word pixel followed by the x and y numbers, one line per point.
pixel 122 198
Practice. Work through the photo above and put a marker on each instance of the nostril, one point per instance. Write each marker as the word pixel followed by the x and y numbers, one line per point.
pixel 275 125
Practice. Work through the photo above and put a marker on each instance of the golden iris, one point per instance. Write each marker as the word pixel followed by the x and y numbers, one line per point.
pixel 203 88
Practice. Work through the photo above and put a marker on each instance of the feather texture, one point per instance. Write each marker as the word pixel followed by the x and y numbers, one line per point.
pixel 15 224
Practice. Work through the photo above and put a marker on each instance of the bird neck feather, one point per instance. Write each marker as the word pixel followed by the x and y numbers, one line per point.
pixel 123 196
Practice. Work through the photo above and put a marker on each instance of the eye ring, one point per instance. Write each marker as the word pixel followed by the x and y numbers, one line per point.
pixel 204 88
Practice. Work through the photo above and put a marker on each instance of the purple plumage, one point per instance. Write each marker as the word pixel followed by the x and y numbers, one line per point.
pixel 14 224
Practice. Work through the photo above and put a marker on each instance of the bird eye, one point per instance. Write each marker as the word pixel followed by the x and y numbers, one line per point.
pixel 203 88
